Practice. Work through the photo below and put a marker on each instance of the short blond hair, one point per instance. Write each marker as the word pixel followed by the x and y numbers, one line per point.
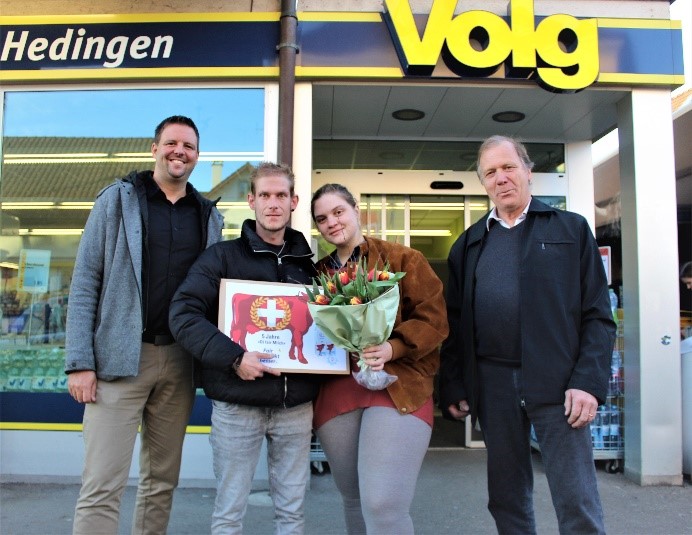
pixel 272 169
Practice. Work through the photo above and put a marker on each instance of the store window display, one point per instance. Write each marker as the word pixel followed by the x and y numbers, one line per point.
pixel 60 148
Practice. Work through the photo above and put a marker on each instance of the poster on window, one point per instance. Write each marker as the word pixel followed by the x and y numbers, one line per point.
pixel 605 258
pixel 274 318
pixel 34 268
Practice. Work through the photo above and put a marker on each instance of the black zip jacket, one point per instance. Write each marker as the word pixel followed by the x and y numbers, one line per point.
pixel 194 314
pixel 567 328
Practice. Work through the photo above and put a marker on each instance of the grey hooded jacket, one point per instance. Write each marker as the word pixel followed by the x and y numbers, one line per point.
pixel 104 313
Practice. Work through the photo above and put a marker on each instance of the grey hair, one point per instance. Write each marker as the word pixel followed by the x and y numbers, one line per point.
pixel 493 141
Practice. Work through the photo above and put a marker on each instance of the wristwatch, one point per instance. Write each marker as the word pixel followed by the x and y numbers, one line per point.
pixel 237 361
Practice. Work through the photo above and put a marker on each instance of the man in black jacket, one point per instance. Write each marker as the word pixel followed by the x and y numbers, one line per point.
pixel 531 337
pixel 251 401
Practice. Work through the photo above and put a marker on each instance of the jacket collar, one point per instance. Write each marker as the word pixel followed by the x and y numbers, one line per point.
pixel 478 230
pixel 539 206
pixel 137 179
pixel 295 241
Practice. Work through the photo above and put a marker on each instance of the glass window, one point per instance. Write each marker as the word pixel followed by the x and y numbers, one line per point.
pixel 59 149
pixel 421 155
pixel 429 223
pixel 555 201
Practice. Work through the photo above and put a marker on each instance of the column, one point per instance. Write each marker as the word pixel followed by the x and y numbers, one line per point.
pixel 302 158
pixel 653 435
pixel 580 196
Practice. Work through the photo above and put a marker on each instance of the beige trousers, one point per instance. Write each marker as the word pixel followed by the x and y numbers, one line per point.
pixel 160 399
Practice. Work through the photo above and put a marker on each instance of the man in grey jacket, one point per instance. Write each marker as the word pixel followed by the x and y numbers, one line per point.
pixel 141 237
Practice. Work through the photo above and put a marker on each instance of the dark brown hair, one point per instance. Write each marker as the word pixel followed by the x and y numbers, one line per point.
pixel 175 119
pixel 338 189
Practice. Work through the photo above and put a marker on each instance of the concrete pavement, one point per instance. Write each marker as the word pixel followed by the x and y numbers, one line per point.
pixel 450 499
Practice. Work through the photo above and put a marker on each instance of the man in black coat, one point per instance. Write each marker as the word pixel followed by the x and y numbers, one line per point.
pixel 251 400
pixel 531 337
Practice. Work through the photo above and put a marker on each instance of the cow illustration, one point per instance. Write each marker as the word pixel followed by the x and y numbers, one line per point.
pixel 255 313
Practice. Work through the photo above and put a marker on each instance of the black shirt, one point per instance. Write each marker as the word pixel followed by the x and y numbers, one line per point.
pixel 173 243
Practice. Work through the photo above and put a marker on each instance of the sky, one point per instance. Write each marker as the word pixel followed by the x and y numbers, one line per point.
pixel 227 119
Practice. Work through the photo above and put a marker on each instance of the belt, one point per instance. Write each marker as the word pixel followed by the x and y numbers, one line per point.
pixel 158 339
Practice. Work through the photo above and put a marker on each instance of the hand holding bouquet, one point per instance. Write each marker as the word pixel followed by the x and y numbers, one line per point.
pixel 356 309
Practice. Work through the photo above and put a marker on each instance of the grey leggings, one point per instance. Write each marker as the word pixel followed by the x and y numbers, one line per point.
pixel 375 455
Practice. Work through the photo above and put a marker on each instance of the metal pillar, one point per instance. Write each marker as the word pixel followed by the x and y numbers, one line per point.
pixel 288 48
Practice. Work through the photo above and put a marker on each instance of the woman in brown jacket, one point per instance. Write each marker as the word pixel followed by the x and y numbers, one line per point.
pixel 375 440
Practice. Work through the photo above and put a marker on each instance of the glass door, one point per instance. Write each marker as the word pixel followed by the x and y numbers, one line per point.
pixel 428 223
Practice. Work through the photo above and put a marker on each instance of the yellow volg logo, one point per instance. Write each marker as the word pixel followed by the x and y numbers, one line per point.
pixel 561 52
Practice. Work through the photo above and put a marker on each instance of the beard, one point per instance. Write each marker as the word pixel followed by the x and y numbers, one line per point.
pixel 273 224
pixel 177 170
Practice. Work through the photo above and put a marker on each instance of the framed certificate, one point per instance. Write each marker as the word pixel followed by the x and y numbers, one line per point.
pixel 272 317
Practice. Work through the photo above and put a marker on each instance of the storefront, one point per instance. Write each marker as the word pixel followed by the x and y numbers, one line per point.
pixel 391 103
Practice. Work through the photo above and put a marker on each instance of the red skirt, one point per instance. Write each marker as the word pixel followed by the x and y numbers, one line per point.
pixel 343 394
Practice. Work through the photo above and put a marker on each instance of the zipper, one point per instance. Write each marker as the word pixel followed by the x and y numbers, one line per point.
pixel 285 390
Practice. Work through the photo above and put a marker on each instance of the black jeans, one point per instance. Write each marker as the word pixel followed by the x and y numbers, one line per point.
pixel 566 453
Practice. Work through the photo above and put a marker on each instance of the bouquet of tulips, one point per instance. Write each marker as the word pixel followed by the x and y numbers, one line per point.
pixel 356 308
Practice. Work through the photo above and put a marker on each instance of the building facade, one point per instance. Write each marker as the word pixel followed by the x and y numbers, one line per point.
pixel 389 98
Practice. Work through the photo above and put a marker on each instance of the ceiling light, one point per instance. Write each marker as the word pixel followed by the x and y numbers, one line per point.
pixel 58 155
pixel 39 205
pixel 50 231
pixel 408 114
pixel 508 117
pixel 127 157
pixel 232 205
pixel 47 205
pixel 440 233
pixel 443 233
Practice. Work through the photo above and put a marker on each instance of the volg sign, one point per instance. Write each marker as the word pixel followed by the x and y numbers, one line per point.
pixel 561 52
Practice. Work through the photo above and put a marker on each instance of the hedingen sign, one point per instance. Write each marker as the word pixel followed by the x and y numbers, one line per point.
pixel 561 52
pixel 84 47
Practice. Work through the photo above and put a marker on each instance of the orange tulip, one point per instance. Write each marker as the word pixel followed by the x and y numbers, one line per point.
pixel 322 300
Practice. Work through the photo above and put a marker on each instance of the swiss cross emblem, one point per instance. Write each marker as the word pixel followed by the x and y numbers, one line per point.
pixel 270 313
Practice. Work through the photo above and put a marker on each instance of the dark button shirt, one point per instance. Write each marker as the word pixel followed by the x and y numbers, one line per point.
pixel 173 243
